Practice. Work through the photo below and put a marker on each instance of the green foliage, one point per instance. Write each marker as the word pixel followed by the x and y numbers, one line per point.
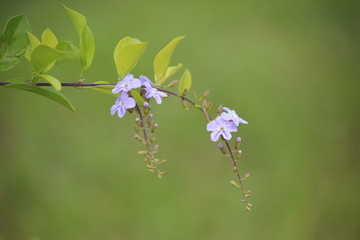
pixel 52 80
pixel 87 42
pixel 162 61
pixel 72 53
pixel 138 99
pixel 185 82
pixel 127 53
pixel 43 58
pixel 49 93
pixel 104 88
pixel 49 39
pixel 13 42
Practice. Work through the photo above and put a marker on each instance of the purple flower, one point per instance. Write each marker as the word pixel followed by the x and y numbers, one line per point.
pixel 218 127
pixel 122 103
pixel 232 116
pixel 128 83
pixel 153 92
pixel 144 80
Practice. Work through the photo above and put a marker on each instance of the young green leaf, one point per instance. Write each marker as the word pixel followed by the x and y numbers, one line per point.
pixel 49 39
pixel 34 42
pixel 77 18
pixel 107 89
pixel 169 72
pixel 50 79
pixel 127 53
pixel 163 58
pixel 49 93
pixel 6 63
pixel 185 82
pixel 43 57
pixel 72 52
pixel 138 99
pixel 18 45
pixel 87 43
pixel 15 25
pixel 87 47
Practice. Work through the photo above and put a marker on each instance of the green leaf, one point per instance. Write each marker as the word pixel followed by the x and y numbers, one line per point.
pixel 43 57
pixel 169 72
pixel 50 79
pixel 49 39
pixel 72 52
pixel 185 82
pixel 163 58
pixel 6 63
pixel 127 53
pixel 87 47
pixel 77 18
pixel 107 89
pixel 49 93
pixel 34 42
pixel 87 43
pixel 138 99
pixel 18 45
pixel 15 25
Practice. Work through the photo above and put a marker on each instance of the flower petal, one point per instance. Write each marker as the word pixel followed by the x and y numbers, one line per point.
pixel 114 108
pixel 231 127
pixel 226 134
pixel 212 126
pixel 157 99
pixel 215 136
pixel 121 111
pixel 130 103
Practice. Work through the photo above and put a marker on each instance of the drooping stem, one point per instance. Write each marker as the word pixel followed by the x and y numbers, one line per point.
pixel 236 170
pixel 147 140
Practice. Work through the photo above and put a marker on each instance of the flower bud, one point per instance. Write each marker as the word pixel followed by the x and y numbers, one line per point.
pixel 238 154
pixel 204 95
pixel 137 137
pixel 136 129
pixel 156 148
pixel 149 119
pixel 222 148
pixel 155 126
pixel 208 107
pixel 138 122
pixel 146 108
pixel 152 139
pixel 237 142
pixel 220 109
pixel 173 83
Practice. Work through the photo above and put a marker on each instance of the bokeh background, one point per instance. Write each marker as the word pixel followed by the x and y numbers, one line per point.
pixel 290 68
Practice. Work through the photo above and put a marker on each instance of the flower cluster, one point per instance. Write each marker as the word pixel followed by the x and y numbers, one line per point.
pixel 125 101
pixel 224 124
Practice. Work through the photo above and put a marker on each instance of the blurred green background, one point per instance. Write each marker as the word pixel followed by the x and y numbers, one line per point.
pixel 290 68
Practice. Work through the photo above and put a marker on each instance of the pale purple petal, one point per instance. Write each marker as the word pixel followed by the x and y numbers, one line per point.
pixel 121 111
pixel 226 116
pixel 135 83
pixel 240 120
pixel 162 94
pixel 114 108
pixel 215 136
pixel 231 127
pixel 129 103
pixel 148 94
pixel 144 80
pixel 212 126
pixel 117 88
pixel 226 134
pixel 128 77
pixel 157 99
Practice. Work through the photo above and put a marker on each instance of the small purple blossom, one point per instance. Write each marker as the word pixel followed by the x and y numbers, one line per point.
pixel 153 92
pixel 128 83
pixel 220 127
pixel 232 116
pixel 144 80
pixel 122 103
